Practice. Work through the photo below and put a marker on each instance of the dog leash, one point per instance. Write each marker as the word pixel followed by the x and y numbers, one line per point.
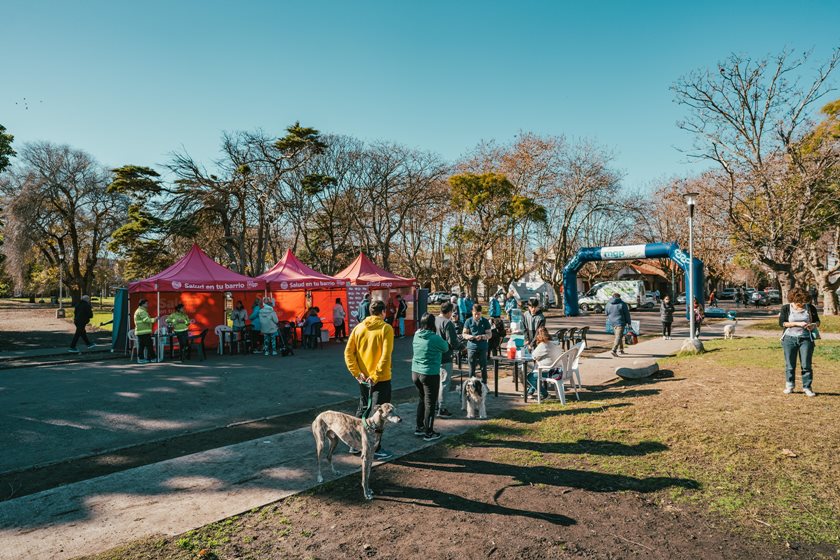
pixel 369 405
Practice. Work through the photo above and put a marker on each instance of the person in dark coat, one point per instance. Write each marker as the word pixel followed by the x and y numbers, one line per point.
pixel 533 319
pixel 618 316
pixel 81 317
pixel 666 315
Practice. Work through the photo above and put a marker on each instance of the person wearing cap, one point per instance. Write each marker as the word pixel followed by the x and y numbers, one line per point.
pixel 179 322
pixel 618 316
pixel 533 319
pixel 143 329
pixel 81 317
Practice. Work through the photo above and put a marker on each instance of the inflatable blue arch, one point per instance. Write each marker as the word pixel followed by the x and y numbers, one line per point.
pixel 624 253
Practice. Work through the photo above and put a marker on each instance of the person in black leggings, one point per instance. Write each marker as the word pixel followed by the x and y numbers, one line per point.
pixel 428 347
pixel 666 315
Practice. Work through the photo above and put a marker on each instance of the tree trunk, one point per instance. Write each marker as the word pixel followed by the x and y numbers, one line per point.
pixel 830 302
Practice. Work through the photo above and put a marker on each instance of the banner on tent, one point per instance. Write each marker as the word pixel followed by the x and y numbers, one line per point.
pixel 355 295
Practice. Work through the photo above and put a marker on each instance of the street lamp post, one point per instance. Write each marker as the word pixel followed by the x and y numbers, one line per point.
pixel 690 199
pixel 59 314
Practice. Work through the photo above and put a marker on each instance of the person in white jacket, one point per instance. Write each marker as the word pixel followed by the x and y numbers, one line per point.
pixel 268 327
pixel 339 316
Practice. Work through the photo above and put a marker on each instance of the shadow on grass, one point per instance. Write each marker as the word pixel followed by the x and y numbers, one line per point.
pixel 526 416
pixel 582 446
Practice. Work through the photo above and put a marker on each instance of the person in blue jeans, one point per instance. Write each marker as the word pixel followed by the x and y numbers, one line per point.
pixel 545 355
pixel 477 331
pixel 799 319
pixel 618 316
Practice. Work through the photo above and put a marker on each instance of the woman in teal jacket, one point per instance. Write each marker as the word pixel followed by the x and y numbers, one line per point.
pixel 255 326
pixel 425 372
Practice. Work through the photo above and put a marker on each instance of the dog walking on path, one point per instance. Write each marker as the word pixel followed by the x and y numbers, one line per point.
pixel 358 433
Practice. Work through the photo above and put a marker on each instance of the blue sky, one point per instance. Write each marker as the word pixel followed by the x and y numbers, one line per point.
pixel 130 82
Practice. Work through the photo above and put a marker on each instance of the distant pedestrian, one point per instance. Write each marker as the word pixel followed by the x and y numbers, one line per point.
pixel 269 323
pixel 510 304
pixel 812 293
pixel 495 310
pixel 428 348
pixel 477 332
pixel 713 298
pixel 364 308
pixel 338 321
pixel 532 320
pixel 256 333
pixel 739 295
pixel 463 310
pixel 800 320
pixel 618 316
pixel 81 317
pixel 368 357
pixel 143 329
pixel 698 318
pixel 402 309
pixel 666 315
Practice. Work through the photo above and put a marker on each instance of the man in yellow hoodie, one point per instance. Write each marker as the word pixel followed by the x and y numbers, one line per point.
pixel 368 357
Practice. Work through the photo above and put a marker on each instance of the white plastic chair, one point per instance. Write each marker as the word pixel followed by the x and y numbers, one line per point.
pixel 570 364
pixel 133 345
pixel 545 369
pixel 218 331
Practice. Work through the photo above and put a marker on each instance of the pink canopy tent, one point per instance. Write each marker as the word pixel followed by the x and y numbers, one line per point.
pixel 382 284
pixel 200 284
pixel 290 279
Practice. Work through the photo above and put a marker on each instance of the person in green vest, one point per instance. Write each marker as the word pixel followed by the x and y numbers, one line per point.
pixel 143 329
pixel 179 322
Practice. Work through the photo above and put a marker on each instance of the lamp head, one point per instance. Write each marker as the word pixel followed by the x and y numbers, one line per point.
pixel 691 198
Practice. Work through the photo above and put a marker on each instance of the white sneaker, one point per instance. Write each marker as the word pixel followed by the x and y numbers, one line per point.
pixel 266 352
pixel 788 389
pixel 809 393
pixel 274 353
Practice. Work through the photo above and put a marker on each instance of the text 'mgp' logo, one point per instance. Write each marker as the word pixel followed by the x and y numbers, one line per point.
pixel 614 254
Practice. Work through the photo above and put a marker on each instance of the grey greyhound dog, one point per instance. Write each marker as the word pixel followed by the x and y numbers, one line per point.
pixel 357 433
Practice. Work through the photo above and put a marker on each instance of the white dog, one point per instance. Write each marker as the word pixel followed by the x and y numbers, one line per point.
pixel 474 396
pixel 729 330
pixel 363 435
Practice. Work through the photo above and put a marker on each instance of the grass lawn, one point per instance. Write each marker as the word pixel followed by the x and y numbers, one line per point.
pixel 828 324
pixel 765 460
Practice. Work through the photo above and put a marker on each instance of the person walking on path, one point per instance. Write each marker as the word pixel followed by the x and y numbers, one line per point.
pixel 446 329
pixel 495 310
pixel 812 293
pixel 368 358
pixel 698 318
pixel 402 308
pixel 143 329
pixel 799 321
pixel 179 322
pixel 533 319
pixel 364 308
pixel 339 315
pixel 81 317
pixel 477 331
pixel 510 305
pixel 713 298
pixel 256 333
pixel 428 348
pixel 618 316
pixel 268 327
pixel 463 310
pixel 666 315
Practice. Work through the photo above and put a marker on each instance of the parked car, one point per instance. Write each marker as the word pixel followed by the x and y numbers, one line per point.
pixel 681 298
pixel 727 294
pixel 438 297
pixel 718 313
pixel 650 300
pixel 774 296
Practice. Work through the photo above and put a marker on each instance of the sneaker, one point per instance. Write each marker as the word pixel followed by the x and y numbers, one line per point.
pixel 809 393
pixel 142 361
pixel 432 436
pixel 788 389
pixel 266 352
pixel 90 346
pixel 354 451
pixel 613 352
pixel 383 455
pixel 274 353
pixel 621 352
pixel 74 350
pixel 444 413
pixel 420 432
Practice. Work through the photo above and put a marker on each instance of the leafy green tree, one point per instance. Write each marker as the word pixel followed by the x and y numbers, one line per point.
pixel 141 240
pixel 488 207
pixel 6 151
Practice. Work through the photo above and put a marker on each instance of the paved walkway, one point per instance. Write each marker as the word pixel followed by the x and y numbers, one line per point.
pixel 185 493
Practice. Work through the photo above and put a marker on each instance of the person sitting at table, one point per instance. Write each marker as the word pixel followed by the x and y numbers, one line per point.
pixel 545 355
pixel 312 327
pixel 179 322
pixel 268 327
pixel 255 325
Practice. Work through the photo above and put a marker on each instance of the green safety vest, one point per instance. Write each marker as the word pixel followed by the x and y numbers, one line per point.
pixel 142 321
pixel 179 321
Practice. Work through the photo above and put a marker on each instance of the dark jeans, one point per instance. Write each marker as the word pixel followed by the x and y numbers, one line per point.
pixel 378 394
pixel 80 333
pixel 666 328
pixel 184 343
pixel 804 347
pixel 428 386
pixel 340 332
pixel 477 357
pixel 145 350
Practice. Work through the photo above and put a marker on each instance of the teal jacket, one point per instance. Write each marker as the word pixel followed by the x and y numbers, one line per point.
pixel 428 351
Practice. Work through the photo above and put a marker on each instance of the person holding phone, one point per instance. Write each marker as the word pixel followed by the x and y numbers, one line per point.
pixel 477 333
pixel 799 321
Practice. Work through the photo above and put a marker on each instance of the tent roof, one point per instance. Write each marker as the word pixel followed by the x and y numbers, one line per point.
pixel 363 272
pixel 291 274
pixel 196 272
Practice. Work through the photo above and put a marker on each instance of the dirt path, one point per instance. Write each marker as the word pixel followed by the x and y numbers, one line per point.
pixel 23 328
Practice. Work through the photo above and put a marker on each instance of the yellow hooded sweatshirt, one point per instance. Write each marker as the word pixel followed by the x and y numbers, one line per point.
pixel 369 348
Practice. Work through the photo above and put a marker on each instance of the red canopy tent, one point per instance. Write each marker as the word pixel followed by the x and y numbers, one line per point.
pixel 200 284
pixel 382 284
pixel 290 279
